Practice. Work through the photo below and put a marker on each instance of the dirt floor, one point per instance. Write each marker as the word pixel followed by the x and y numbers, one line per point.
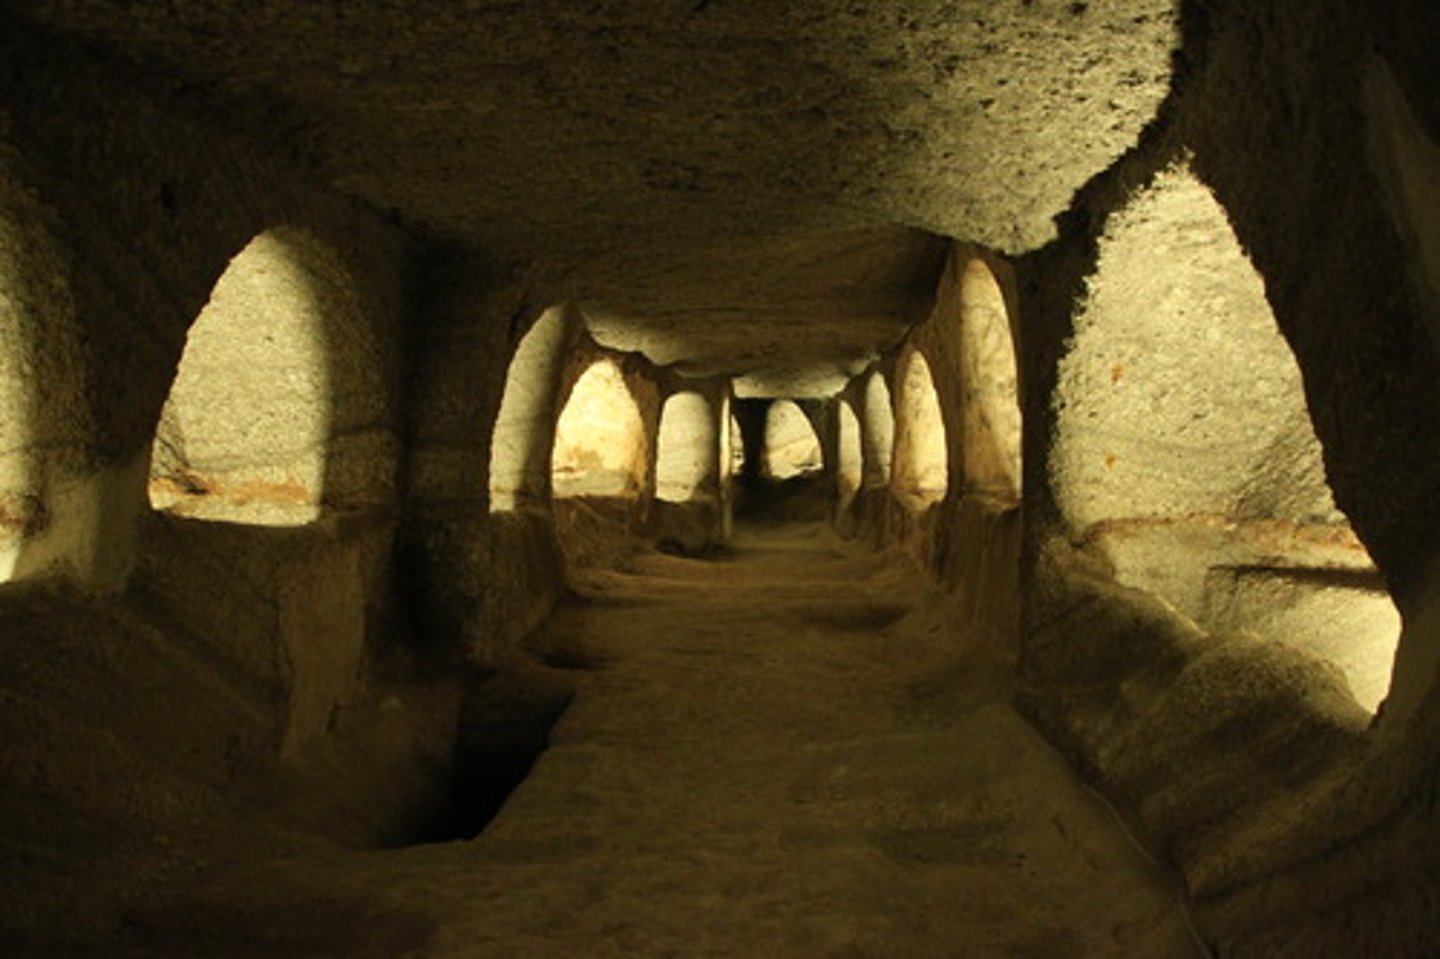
pixel 775 753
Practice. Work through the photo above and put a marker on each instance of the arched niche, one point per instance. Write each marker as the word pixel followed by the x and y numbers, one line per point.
pixel 737 445
pixel 1184 452
pixel 878 433
pixel 920 470
pixel 850 462
pixel 524 428
pixel 688 448
pixel 279 408
pixel 990 428
pixel 791 447
pixel 724 421
pixel 19 502
pixel 600 444
pixel 46 518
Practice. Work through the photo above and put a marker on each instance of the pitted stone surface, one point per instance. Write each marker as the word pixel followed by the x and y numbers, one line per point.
pixel 781 755
pixel 601 135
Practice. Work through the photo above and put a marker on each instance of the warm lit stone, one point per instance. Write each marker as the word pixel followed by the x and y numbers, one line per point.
pixel 277 403
pixel 687 456
pixel 525 425
pixel 791 446
pixel 878 432
pixel 600 443
pixel 990 402
pixel 921 462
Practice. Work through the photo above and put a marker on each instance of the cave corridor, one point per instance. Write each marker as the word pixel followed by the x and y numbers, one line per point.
pixel 938 478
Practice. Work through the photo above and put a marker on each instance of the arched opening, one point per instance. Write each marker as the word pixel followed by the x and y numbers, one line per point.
pixel 878 434
pixel 791 447
pixel 725 422
pixel 47 519
pixel 724 465
pixel 20 505
pixel 1184 452
pixel 600 445
pixel 737 446
pixel 920 469
pixel 278 408
pixel 990 425
pixel 686 457
pixel 850 463
pixel 523 428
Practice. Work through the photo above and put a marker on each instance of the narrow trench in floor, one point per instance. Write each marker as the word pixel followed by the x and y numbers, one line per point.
pixel 492 757
pixel 784 746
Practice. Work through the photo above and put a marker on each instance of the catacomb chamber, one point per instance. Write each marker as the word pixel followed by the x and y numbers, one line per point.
pixel 334 363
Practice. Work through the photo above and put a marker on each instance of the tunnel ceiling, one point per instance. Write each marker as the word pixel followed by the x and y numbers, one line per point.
pixel 750 186
pixel 861 288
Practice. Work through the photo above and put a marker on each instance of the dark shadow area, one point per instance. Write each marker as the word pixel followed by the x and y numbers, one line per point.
pixel 671 546
pixel 800 499
pixel 352 927
pixel 504 729
pixel 491 761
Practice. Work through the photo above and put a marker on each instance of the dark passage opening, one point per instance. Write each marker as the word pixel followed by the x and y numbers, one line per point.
pixel 496 746
pixel 491 762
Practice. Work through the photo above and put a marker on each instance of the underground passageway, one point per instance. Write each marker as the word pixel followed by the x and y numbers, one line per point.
pixel 777 753
pixel 837 479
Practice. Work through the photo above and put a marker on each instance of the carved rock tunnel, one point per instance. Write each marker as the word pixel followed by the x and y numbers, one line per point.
pixel 947 478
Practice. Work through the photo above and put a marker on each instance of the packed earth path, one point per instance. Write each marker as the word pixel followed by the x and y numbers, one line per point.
pixel 777 752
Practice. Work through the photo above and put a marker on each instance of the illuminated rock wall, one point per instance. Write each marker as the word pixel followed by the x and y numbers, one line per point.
pixel 1211 698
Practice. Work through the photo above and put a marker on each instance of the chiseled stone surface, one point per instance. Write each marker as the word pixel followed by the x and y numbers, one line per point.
pixel 725 159
pixel 725 187
pixel 789 759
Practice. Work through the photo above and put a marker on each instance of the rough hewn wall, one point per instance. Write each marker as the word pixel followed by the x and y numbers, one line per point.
pixel 693 514
pixel 596 530
pixel 971 538
pixel 144 212
pixel 1299 830
pixel 162 679
pixel 480 579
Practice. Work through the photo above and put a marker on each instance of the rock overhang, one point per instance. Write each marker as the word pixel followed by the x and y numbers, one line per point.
pixel 679 161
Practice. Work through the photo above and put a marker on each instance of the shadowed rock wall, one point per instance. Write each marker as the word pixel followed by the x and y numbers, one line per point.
pixel 174 688
pixel 480 578
pixel 970 539
pixel 604 519
pixel 1300 828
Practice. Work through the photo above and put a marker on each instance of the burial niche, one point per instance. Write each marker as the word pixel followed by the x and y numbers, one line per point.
pixel 990 420
pixel 686 457
pixel 791 447
pixel 878 433
pixel 600 446
pixel 850 463
pixel 920 464
pixel 1184 453
pixel 45 421
pixel 524 427
pixel 278 407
